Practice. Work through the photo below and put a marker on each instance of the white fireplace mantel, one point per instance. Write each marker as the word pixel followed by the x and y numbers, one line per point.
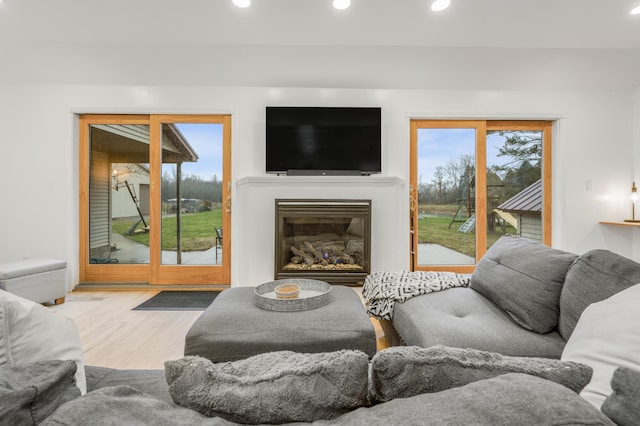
pixel 253 218
pixel 275 180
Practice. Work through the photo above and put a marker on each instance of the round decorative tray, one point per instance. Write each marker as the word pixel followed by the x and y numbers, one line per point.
pixel 313 294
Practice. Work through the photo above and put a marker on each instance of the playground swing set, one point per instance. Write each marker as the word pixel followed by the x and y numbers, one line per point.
pixel 468 203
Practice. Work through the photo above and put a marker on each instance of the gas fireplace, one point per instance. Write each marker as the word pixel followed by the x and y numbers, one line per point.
pixel 328 240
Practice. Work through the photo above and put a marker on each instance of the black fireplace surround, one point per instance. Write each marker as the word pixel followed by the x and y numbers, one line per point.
pixel 323 239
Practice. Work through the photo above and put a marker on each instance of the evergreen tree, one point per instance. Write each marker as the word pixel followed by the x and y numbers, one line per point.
pixel 521 146
pixel 523 167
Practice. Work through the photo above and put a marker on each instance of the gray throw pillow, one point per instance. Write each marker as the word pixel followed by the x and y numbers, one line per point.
pixel 274 387
pixel 400 372
pixel 507 400
pixel 594 277
pixel 150 382
pixel 126 406
pixel 623 405
pixel 525 279
pixel 30 392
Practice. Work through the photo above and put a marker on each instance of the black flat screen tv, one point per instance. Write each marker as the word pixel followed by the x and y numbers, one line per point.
pixel 323 140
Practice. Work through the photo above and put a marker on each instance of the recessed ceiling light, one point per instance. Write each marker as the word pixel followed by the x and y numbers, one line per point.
pixel 439 5
pixel 635 10
pixel 239 3
pixel 341 4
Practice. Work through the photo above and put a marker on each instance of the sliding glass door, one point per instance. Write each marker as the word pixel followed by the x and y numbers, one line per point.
pixel 155 199
pixel 473 181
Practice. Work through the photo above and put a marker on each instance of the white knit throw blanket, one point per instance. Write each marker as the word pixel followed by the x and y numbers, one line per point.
pixel 382 290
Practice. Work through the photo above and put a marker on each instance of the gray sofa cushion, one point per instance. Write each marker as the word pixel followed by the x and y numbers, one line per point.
pixel 274 387
pixel 623 405
pixel 525 279
pixel 463 318
pixel 606 338
pixel 30 392
pixel 507 400
pixel 150 382
pixel 125 406
pixel 510 399
pixel 595 276
pixel 401 372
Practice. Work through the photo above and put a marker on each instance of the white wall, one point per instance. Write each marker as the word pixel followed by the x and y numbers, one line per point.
pixel 255 207
pixel 636 164
pixel 592 169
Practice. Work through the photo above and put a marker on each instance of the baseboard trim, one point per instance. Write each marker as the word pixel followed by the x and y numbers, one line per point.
pixel 147 286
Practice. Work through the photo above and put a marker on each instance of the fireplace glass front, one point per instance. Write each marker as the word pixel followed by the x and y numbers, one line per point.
pixel 328 240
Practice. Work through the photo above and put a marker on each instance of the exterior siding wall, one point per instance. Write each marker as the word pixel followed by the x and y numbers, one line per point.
pixel 531 227
pixel 99 206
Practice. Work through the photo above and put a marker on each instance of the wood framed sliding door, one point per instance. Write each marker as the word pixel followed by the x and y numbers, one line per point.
pixel 155 199
pixel 473 181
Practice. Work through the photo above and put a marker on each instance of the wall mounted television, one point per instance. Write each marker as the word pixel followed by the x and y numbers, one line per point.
pixel 323 140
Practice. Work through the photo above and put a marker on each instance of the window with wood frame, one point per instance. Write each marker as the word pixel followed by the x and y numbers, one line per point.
pixel 473 181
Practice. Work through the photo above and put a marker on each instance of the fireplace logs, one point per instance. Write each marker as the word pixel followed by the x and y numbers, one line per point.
pixel 326 253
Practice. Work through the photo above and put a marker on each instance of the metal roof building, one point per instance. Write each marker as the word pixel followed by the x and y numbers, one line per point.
pixel 529 200
pixel 526 205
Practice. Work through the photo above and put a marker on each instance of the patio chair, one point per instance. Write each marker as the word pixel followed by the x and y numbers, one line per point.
pixel 218 241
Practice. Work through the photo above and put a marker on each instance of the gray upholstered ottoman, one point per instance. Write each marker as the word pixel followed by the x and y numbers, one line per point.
pixel 234 328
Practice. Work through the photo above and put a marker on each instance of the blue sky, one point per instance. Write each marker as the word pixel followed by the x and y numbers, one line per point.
pixel 206 140
pixel 436 147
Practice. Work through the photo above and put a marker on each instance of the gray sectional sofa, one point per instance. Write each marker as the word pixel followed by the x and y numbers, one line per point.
pixel 524 299
pixel 403 386
pixel 483 355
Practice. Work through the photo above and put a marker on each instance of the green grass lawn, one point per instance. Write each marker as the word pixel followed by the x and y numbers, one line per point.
pixel 198 230
pixel 435 230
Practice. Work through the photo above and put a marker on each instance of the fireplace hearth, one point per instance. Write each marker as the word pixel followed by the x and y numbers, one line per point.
pixel 328 240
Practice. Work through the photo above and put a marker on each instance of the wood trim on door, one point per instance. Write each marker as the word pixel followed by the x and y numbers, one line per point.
pixel 96 272
pixel 154 272
pixel 481 126
pixel 175 274
pixel 547 177
pixel 481 175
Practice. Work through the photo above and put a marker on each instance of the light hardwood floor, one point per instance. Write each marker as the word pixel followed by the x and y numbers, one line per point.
pixel 114 335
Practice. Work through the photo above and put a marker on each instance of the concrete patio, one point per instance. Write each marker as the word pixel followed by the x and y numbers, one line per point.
pixel 129 252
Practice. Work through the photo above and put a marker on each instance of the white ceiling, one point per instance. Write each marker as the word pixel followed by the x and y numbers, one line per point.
pixel 479 44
